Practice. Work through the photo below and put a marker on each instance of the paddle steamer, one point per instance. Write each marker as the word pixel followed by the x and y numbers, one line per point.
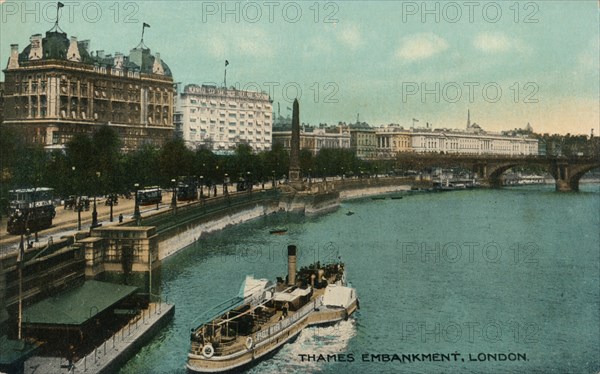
pixel 265 316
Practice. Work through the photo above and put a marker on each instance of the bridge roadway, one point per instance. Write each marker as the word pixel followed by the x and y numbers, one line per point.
pixel 489 169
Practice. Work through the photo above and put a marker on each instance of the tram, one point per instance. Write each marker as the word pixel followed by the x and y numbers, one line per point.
pixel 187 192
pixel 149 196
pixel 31 210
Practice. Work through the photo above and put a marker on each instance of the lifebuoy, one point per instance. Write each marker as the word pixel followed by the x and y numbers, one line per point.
pixel 208 351
pixel 249 342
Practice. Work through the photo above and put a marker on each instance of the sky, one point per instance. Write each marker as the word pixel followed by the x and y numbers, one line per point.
pixel 406 62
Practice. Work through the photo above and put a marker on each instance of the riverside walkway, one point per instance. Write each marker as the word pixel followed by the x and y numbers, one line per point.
pixel 116 350
pixel 65 222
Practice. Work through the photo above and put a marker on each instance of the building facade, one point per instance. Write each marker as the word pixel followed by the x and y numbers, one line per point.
pixel 220 118
pixel 315 139
pixel 471 143
pixel 56 87
pixel 391 140
pixel 363 140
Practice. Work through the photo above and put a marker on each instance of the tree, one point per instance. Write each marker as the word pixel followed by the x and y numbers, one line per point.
pixel 205 162
pixel 140 167
pixel 80 156
pixel 107 153
pixel 175 160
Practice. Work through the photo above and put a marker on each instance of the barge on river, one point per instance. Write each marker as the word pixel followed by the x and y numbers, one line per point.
pixel 265 316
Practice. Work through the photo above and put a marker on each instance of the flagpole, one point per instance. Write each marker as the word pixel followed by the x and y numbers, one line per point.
pixel 58 6
pixel 21 260
pixel 225 78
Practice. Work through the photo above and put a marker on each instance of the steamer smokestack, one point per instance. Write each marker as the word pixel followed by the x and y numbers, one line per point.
pixel 291 265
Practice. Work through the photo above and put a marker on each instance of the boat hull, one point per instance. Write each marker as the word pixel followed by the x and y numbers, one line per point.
pixel 318 315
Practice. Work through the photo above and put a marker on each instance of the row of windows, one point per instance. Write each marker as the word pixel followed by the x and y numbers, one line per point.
pixel 223 104
pixel 224 113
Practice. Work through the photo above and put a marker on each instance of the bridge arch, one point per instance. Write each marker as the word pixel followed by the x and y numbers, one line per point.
pixel 575 174
pixel 566 175
pixel 489 168
pixel 495 171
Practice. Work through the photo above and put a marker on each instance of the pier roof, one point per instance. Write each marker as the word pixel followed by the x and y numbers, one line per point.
pixel 14 352
pixel 78 305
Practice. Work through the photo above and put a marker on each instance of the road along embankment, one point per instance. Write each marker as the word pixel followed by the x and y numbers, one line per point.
pixel 185 224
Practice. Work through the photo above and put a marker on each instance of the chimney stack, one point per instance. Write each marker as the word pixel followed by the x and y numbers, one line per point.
pixel 73 51
pixel 13 61
pixel 118 61
pixel 291 265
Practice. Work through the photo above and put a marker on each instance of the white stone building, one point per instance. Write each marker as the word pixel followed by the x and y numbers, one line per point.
pixel 475 143
pixel 221 118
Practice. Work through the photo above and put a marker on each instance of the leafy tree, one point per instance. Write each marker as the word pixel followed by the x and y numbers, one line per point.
pixel 307 162
pixel 205 163
pixel 175 160
pixel 140 167
pixel 108 159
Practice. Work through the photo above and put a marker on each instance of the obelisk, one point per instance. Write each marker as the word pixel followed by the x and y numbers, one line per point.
pixel 294 173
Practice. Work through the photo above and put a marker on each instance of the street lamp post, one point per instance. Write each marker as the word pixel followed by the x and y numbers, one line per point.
pixel 174 197
pixel 77 204
pixel 158 200
pixel 95 212
pixel 273 183
pixel 136 210
pixel 201 187
pixel 112 202
pixel 249 183
pixel 20 262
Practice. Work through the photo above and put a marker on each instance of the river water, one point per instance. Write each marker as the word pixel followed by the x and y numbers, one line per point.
pixel 499 281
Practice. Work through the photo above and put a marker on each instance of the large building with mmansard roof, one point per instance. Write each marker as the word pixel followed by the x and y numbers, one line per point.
pixel 57 87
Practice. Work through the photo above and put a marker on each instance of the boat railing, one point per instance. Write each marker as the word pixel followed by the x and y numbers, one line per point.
pixel 284 323
pixel 217 310
pixel 222 308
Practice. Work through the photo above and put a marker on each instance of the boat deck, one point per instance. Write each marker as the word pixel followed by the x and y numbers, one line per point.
pixel 269 317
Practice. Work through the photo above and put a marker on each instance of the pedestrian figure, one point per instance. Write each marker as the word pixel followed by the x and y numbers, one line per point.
pixel 121 218
pixel 285 308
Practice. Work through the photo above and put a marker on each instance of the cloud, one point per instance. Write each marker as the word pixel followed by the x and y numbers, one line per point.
pixel 420 46
pixel 588 58
pixel 317 46
pixel 350 36
pixel 250 43
pixel 496 42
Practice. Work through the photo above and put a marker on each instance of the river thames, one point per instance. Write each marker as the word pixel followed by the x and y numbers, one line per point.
pixel 474 281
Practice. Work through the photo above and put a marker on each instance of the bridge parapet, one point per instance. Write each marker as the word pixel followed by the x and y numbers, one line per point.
pixel 567 171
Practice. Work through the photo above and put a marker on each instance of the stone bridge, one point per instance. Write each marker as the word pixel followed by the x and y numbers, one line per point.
pixel 566 171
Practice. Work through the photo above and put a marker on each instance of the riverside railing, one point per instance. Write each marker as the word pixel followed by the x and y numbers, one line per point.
pixel 117 341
